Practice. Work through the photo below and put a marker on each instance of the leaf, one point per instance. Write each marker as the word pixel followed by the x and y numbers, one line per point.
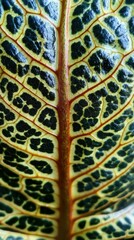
pixel 66 116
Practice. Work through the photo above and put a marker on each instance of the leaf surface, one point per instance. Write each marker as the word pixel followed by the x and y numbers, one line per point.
pixel 67 122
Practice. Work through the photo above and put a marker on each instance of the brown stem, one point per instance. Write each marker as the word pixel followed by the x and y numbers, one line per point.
pixel 64 139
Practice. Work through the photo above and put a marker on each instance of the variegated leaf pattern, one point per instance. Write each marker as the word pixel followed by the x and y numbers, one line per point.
pixel 67 122
pixel 101 67
pixel 29 176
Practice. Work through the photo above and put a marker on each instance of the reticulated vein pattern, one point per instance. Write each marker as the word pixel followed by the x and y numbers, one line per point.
pixel 101 80
pixel 98 71
pixel 29 189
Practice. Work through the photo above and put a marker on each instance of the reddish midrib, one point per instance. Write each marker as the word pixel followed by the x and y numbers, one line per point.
pixel 64 138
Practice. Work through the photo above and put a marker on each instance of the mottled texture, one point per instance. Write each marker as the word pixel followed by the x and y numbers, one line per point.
pixel 66 120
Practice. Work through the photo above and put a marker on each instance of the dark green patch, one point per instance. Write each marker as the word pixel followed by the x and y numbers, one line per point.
pixel 130 62
pixel 36 84
pixel 14 23
pixel 87 41
pixel 9 64
pixel 103 36
pixel 112 163
pixel 28 103
pixel 123 226
pixel 102 62
pixel 124 42
pixel 47 118
pixel 5 114
pixel 80 9
pixel 77 50
pixel 129 2
pixel 94 221
pixel 113 87
pixel 45 145
pixel 80 77
pixel 52 10
pixel 101 204
pixel 131 25
pixel 119 234
pixel 95 6
pixel 11 178
pixel 29 206
pixel 42 166
pixel 79 238
pixel 5 208
pixel 46 210
pixel 88 16
pixel 7 4
pixel 109 229
pixel 87 203
pixel 82 224
pixel 93 235
pixel 112 22
pixel 31 4
pixel 77 25
pixel 31 42
pixel 12 51
pixel 124 11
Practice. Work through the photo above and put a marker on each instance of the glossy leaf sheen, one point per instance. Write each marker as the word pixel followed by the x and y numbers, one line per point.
pixel 66 117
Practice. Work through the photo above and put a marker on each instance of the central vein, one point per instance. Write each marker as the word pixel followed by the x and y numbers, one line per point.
pixel 64 139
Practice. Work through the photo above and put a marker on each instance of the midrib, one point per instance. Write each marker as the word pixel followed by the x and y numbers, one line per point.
pixel 64 139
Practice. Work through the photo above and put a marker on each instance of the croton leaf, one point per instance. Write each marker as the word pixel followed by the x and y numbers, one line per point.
pixel 67 122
